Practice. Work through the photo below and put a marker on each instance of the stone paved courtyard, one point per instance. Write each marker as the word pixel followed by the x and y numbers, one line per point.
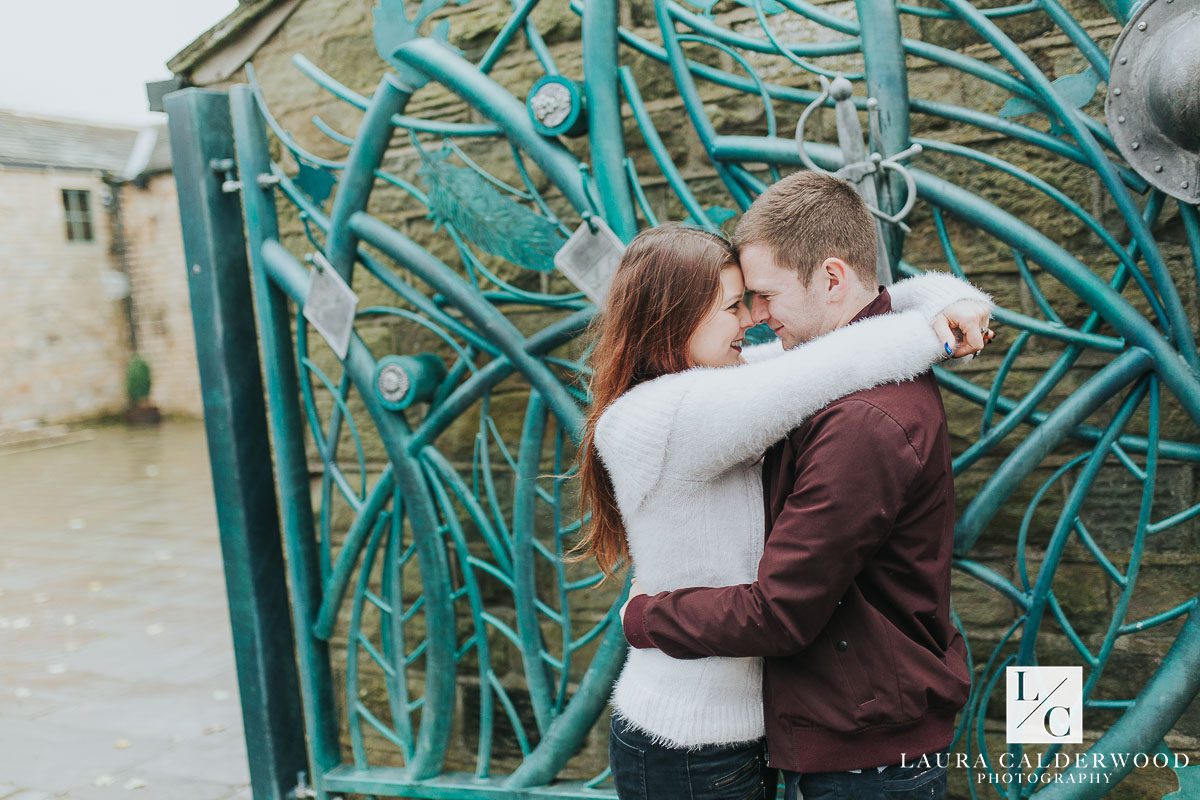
pixel 116 663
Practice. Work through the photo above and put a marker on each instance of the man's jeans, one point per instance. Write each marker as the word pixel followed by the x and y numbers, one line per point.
pixel 643 770
pixel 911 782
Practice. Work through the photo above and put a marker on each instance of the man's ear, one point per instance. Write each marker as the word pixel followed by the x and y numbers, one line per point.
pixel 835 273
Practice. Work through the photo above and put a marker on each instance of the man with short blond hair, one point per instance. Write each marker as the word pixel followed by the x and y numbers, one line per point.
pixel 807 217
pixel 864 671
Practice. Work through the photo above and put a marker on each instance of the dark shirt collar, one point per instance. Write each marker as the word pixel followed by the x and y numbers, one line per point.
pixel 882 304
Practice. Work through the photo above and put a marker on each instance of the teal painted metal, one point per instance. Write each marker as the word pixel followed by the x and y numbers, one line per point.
pixel 604 115
pixel 887 85
pixel 404 380
pixel 236 425
pixel 287 435
pixel 430 537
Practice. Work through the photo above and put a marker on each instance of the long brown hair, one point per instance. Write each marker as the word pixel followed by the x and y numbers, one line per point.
pixel 667 282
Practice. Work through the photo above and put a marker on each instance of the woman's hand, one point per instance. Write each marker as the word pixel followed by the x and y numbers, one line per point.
pixel 964 328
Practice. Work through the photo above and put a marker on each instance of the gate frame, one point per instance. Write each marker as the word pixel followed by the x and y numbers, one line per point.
pixel 235 422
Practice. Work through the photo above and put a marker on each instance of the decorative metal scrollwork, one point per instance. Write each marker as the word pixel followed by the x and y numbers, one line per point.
pixel 443 507
pixel 858 165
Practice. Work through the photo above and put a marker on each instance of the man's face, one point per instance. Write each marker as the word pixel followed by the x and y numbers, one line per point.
pixel 795 312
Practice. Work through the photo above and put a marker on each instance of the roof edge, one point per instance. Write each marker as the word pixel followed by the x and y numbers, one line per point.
pixel 67 119
pixel 219 35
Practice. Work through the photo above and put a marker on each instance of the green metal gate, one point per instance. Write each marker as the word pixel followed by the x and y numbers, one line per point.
pixel 393 545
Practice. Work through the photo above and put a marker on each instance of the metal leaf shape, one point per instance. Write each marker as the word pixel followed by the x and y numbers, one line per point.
pixel 1075 90
pixel 488 219
pixel 315 182
pixel 1189 783
pixel 393 28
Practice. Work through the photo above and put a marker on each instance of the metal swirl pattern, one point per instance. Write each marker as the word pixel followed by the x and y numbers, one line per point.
pixel 440 571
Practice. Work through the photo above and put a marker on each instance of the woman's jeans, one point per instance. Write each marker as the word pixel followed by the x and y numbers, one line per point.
pixel 643 770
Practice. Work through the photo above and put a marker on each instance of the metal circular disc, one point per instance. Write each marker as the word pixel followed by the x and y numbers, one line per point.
pixel 392 383
pixel 556 107
pixel 1150 41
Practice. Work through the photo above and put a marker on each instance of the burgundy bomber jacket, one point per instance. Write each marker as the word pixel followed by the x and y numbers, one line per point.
pixel 851 606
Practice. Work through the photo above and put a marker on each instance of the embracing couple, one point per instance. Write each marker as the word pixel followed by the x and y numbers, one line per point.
pixel 787 508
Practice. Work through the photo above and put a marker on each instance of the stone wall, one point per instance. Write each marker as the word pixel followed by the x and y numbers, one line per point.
pixel 158 276
pixel 65 343
pixel 336 35
pixel 67 340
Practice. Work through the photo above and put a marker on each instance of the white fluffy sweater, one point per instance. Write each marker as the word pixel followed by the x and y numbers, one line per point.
pixel 684 454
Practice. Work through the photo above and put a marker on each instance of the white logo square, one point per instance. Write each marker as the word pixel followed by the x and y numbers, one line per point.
pixel 1044 705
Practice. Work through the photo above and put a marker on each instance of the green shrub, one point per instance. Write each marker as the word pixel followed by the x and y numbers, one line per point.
pixel 137 380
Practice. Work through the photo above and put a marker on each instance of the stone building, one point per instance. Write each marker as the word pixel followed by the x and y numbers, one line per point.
pixel 91 271
pixel 336 35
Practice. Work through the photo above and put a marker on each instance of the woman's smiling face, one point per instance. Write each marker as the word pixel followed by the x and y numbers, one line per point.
pixel 717 340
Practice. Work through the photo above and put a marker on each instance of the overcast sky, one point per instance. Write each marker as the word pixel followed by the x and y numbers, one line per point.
pixel 91 59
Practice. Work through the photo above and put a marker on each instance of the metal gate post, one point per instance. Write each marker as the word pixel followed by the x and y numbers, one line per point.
pixel 887 83
pixel 287 435
pixel 235 421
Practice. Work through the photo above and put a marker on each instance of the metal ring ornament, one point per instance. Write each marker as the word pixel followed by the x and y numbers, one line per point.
pixel 910 185
pixel 840 90
pixel 809 164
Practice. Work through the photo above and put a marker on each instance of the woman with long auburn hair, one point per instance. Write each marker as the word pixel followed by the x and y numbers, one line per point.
pixel 669 471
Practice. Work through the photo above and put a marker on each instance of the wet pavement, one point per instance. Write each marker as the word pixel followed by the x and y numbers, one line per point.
pixel 116 661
